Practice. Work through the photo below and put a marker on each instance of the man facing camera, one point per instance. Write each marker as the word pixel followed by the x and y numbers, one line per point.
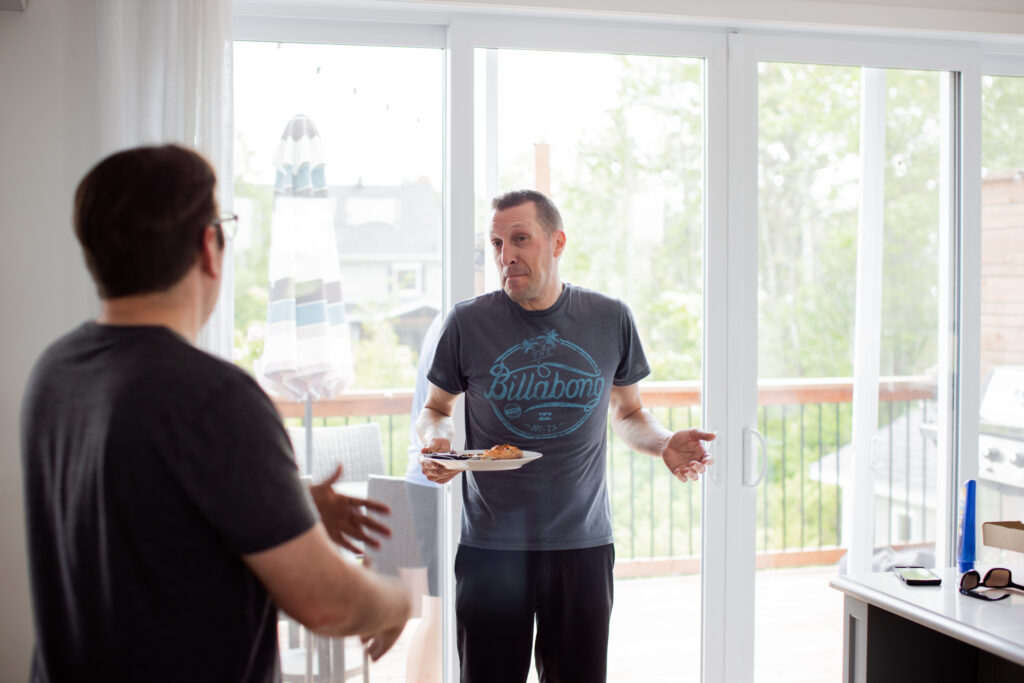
pixel 544 365
pixel 166 519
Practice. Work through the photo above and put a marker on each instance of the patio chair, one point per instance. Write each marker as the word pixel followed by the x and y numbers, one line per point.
pixel 411 554
pixel 359 450
pixel 357 447
pixel 402 549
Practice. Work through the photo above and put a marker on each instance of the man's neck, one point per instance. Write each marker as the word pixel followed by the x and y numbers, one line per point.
pixel 163 309
pixel 542 303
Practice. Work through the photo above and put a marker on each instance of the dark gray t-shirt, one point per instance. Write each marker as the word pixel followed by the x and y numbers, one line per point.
pixel 150 468
pixel 539 380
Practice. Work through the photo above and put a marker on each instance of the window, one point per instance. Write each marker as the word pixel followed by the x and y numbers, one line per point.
pixel 640 149
pixel 406 279
pixel 338 172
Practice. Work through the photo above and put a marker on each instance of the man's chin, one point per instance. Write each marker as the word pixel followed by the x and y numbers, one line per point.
pixel 516 294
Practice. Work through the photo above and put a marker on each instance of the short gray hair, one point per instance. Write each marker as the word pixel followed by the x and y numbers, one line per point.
pixel 547 212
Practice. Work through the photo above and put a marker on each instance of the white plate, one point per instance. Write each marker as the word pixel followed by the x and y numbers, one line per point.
pixel 483 465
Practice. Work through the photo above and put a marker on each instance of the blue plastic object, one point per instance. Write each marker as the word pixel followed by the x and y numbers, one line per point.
pixel 966 545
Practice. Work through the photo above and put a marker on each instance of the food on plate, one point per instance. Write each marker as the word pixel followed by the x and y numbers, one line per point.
pixel 502 452
pixel 449 455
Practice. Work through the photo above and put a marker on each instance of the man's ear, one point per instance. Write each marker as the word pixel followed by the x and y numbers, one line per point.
pixel 559 237
pixel 211 254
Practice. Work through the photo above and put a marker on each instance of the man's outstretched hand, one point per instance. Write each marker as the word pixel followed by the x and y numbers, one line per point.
pixel 685 455
pixel 345 518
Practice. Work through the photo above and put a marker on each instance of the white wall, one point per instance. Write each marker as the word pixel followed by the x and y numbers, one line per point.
pixel 47 131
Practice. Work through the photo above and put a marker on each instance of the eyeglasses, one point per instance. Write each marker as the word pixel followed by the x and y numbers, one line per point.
pixel 997 577
pixel 228 224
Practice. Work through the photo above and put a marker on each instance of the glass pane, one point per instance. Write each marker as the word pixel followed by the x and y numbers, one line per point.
pixel 617 142
pixel 1001 441
pixel 338 168
pixel 810 199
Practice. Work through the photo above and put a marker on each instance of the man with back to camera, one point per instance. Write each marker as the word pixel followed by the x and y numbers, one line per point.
pixel 165 513
pixel 542 363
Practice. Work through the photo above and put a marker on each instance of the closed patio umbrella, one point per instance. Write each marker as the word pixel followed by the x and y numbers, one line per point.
pixel 307 354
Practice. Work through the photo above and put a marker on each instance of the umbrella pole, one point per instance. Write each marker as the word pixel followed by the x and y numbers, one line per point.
pixel 308 421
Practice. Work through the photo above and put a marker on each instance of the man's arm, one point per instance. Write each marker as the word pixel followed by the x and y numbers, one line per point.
pixel 683 451
pixel 327 594
pixel 436 429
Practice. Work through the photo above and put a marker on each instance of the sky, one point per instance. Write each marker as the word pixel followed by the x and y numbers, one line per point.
pixel 379 110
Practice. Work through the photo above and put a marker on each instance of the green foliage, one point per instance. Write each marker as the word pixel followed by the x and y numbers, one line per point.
pixel 809 188
pixel 248 346
pixel 251 275
pixel 381 362
pixel 659 275
pixel 1003 137
pixel 653 514
pixel 911 258
pixel 808 138
pixel 795 508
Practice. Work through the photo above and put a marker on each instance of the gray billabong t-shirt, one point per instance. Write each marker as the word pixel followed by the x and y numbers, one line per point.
pixel 539 380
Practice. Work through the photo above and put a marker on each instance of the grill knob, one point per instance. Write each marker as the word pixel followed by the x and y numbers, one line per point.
pixel 994 454
pixel 1018 460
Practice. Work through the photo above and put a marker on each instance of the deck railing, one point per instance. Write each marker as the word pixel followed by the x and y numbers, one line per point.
pixel 807 426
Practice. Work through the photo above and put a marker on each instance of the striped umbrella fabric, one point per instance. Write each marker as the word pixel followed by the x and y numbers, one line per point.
pixel 307 353
pixel 299 160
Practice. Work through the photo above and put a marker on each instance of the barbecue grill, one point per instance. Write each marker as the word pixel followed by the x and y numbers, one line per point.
pixel 1001 430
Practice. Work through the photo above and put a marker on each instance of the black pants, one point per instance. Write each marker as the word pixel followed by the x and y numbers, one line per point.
pixel 499 594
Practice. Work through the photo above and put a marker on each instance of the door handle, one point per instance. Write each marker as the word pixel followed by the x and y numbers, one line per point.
pixel 712 448
pixel 747 433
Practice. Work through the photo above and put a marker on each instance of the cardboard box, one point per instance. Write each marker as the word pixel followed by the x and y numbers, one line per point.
pixel 1007 535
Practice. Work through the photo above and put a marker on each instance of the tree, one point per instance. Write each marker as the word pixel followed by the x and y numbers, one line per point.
pixel 1003 136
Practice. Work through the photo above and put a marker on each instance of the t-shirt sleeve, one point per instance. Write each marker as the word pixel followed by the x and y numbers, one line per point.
pixel 633 365
pixel 242 474
pixel 446 370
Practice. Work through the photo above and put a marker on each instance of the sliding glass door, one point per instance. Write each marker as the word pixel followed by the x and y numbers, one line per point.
pixel 816 132
pixel 854 246
pixel 617 142
pixel 614 131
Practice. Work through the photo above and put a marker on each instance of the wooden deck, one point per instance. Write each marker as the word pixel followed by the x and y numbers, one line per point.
pixel 655 631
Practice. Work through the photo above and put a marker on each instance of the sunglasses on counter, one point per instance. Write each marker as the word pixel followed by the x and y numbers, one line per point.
pixel 997 577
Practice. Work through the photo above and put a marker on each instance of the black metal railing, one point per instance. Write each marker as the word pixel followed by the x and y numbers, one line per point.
pixel 807 425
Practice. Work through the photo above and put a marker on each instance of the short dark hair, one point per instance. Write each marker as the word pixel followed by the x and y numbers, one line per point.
pixel 140 216
pixel 547 212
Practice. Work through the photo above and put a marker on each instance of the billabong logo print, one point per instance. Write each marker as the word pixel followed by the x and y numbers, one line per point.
pixel 544 387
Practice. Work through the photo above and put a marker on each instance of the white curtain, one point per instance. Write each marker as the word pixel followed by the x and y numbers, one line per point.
pixel 165 76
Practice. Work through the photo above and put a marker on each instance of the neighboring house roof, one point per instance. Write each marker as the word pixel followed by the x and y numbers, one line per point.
pixel 388 219
pixel 912 463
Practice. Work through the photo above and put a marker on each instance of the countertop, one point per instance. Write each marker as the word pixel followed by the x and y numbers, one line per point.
pixel 997 627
